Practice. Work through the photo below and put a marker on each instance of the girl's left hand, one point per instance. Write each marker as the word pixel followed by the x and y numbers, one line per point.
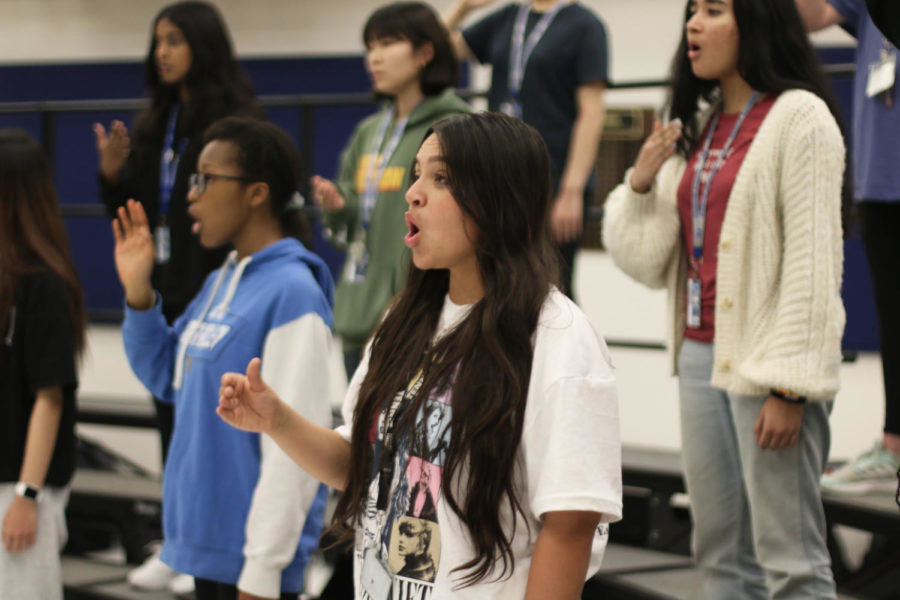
pixel 778 425
pixel 20 525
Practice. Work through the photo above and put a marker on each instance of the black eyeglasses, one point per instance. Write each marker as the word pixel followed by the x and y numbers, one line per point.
pixel 199 181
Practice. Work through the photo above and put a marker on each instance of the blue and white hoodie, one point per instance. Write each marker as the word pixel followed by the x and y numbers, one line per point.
pixel 236 509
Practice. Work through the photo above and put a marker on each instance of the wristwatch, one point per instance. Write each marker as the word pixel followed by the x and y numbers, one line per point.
pixel 27 491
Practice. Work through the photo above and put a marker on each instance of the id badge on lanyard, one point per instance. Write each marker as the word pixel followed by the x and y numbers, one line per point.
pixel 375 579
pixel 520 51
pixel 357 260
pixel 699 204
pixel 162 238
pixel 357 253
pixel 168 169
pixel 882 74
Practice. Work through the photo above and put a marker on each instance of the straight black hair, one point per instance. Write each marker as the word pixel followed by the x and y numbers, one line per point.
pixel 418 23
pixel 216 84
pixel 264 152
pixel 32 234
pixel 774 55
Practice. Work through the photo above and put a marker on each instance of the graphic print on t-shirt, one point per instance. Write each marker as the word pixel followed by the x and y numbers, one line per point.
pixel 400 525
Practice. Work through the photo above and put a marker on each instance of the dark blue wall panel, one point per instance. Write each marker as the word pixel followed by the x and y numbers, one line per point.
pixel 76 162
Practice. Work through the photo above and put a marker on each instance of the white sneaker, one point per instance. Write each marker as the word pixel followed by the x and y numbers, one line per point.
pixel 872 471
pixel 181 584
pixel 152 575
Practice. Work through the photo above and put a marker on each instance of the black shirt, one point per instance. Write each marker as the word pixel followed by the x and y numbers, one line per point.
pixel 572 52
pixel 179 280
pixel 37 351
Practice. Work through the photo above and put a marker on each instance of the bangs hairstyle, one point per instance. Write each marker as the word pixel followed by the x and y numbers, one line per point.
pixel 32 235
pixel 774 55
pixel 217 85
pixel 417 23
pixel 498 171
pixel 263 152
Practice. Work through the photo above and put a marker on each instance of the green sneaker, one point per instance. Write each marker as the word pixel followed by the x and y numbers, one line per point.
pixel 872 471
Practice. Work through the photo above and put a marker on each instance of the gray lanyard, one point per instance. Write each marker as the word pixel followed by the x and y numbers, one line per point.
pixel 376 167
pixel 521 49
pixel 698 203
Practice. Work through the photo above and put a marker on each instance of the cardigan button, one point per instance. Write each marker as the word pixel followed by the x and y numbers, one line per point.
pixel 726 243
pixel 727 302
pixel 725 366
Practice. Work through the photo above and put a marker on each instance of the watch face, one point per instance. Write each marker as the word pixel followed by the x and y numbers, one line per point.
pixel 27 491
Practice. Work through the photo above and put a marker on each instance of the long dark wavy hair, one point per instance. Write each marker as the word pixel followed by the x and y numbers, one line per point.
pixel 264 152
pixel 32 235
pixel 216 84
pixel 419 24
pixel 499 174
pixel 774 55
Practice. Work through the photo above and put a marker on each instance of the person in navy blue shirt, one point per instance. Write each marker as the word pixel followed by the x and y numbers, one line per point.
pixel 556 84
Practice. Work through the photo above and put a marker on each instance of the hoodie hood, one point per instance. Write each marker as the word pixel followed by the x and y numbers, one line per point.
pixel 291 249
pixel 435 108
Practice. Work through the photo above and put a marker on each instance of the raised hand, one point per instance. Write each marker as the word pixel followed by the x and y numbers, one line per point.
pixel 246 402
pixel 656 150
pixel 134 254
pixel 112 148
pixel 326 194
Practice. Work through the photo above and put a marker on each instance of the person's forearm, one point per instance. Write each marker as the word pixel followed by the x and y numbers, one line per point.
pixel 319 451
pixel 817 14
pixel 42 430
pixel 561 556
pixel 583 147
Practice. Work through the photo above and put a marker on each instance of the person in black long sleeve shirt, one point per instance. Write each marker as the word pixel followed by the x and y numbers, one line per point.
pixel 193 79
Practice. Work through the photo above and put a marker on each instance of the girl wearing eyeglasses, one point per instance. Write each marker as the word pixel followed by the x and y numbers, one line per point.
pixel 238 515
pixel 194 79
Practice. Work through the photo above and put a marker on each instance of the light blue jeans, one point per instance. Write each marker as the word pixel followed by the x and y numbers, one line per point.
pixel 759 527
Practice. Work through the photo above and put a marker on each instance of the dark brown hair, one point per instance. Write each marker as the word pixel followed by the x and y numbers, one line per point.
pixel 418 23
pixel 217 84
pixel 32 235
pixel 499 174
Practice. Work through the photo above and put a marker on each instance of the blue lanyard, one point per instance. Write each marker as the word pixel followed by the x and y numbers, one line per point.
pixel 376 166
pixel 521 49
pixel 168 163
pixel 698 203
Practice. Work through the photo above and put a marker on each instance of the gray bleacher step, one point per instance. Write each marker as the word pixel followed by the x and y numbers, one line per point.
pixel 641 574
pixel 88 579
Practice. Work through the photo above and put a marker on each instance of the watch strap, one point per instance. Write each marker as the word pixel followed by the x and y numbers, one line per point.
pixel 27 491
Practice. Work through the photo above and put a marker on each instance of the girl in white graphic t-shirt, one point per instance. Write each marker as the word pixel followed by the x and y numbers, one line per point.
pixel 484 410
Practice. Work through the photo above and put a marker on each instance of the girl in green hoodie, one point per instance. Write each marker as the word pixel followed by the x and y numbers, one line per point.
pixel 412 66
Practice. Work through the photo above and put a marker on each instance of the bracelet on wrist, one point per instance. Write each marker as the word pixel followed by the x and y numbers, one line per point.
pixel 787 396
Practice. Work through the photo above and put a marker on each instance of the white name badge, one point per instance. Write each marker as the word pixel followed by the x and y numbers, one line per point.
pixel 693 302
pixel 162 237
pixel 374 578
pixel 881 75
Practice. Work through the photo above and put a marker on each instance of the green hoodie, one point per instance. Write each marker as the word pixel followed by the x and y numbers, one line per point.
pixel 358 304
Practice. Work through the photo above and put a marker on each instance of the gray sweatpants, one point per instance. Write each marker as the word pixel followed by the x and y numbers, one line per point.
pixel 36 573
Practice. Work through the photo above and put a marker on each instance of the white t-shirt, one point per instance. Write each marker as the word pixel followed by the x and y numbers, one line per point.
pixel 570 453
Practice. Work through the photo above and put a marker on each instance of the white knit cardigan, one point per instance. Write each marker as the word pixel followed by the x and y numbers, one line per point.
pixel 779 315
